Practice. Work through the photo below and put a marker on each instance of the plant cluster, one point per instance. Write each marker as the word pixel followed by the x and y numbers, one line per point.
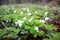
pixel 18 23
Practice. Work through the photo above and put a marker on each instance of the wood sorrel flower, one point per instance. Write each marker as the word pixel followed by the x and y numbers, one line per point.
pixel 36 28
pixel 19 22
pixel 47 18
pixel 46 13
pixel 31 19
pixel 43 21
pixel 29 14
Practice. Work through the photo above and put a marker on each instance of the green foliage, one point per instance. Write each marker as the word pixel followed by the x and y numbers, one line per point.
pixel 22 21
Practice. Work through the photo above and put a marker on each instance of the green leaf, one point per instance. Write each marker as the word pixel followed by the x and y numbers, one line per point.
pixel 45 39
pixel 1 33
pixel 17 31
pixel 56 35
pixel 10 28
pixel 32 31
pixel 11 34
pixel 35 35
pixel 41 33
pixel 49 27
pixel 27 27
pixel 51 38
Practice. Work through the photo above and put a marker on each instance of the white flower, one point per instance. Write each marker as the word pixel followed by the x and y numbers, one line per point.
pixel 35 11
pixel 31 19
pixel 14 11
pixel 19 22
pixel 36 28
pixel 29 14
pixel 28 10
pixel 7 21
pixel 43 21
pixel 24 8
pixel 46 13
pixel 21 12
pixel 24 18
pixel 47 18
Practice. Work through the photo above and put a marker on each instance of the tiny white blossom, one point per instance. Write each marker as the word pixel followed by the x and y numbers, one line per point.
pixel 21 12
pixel 35 11
pixel 28 10
pixel 36 28
pixel 47 18
pixel 14 11
pixel 29 14
pixel 46 13
pixel 19 22
pixel 31 19
pixel 43 21
pixel 24 8
pixel 24 18
pixel 7 21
